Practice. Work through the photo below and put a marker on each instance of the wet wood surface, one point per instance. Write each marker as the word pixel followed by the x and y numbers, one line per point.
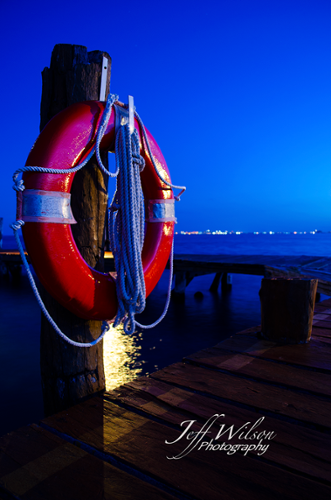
pixel 126 443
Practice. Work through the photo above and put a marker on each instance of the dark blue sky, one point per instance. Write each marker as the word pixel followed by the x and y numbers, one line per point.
pixel 237 94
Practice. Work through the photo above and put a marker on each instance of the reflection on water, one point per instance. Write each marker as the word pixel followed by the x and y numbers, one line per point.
pixel 122 357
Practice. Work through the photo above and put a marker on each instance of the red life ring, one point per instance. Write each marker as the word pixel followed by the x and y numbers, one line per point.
pixel 65 142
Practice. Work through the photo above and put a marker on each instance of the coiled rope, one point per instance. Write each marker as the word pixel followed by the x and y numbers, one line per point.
pixel 127 221
pixel 126 225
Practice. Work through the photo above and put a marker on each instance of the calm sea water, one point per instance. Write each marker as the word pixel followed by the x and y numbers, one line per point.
pixel 189 326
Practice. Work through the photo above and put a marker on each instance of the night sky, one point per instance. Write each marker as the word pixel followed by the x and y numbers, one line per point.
pixel 237 94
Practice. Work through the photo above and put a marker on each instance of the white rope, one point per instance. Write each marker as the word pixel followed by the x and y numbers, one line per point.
pixel 166 307
pixel 19 185
pixel 173 186
pixel 127 222
pixel 15 226
pixel 126 230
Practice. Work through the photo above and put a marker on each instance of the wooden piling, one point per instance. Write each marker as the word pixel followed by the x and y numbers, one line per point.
pixel 216 281
pixel 287 307
pixel 226 282
pixel 71 373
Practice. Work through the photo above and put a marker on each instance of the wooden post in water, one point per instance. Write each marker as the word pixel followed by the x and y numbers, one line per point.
pixel 225 279
pixel 71 373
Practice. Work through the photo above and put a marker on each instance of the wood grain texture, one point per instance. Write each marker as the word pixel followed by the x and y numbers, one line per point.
pixel 317 355
pixel 319 332
pixel 37 464
pixel 260 369
pixel 309 409
pixel 301 449
pixel 141 442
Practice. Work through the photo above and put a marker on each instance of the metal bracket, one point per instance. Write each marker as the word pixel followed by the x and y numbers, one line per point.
pixel 131 114
pixel 103 84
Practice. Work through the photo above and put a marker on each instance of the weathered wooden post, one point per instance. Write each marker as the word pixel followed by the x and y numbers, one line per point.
pixel 287 308
pixel 226 282
pixel 225 279
pixel 70 373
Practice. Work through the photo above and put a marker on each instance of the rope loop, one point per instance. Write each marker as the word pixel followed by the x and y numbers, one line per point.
pixel 173 186
pixel 16 226
pixel 19 185
pixel 112 98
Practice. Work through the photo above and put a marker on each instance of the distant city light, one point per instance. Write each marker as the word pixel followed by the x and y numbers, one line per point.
pixel 220 232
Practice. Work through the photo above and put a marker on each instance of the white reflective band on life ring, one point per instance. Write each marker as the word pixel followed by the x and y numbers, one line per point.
pixel 35 205
pixel 160 211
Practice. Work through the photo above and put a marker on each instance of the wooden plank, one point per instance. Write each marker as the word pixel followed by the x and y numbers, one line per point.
pixel 313 355
pixel 310 409
pixel 294 447
pixel 253 331
pixel 12 256
pixel 35 463
pixel 259 369
pixel 320 309
pixel 325 340
pixel 325 303
pixel 321 332
pixel 141 442
pixel 323 317
pixel 323 306
pixel 322 324
pixel 323 286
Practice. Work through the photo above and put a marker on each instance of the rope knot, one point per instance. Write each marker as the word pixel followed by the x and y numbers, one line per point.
pixel 18 184
pixel 138 160
pixel 17 225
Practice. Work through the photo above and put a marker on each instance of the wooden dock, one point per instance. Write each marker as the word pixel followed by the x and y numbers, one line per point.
pixel 11 262
pixel 114 445
pixel 187 267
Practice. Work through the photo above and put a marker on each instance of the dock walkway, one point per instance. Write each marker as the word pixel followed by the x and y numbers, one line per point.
pixel 114 445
